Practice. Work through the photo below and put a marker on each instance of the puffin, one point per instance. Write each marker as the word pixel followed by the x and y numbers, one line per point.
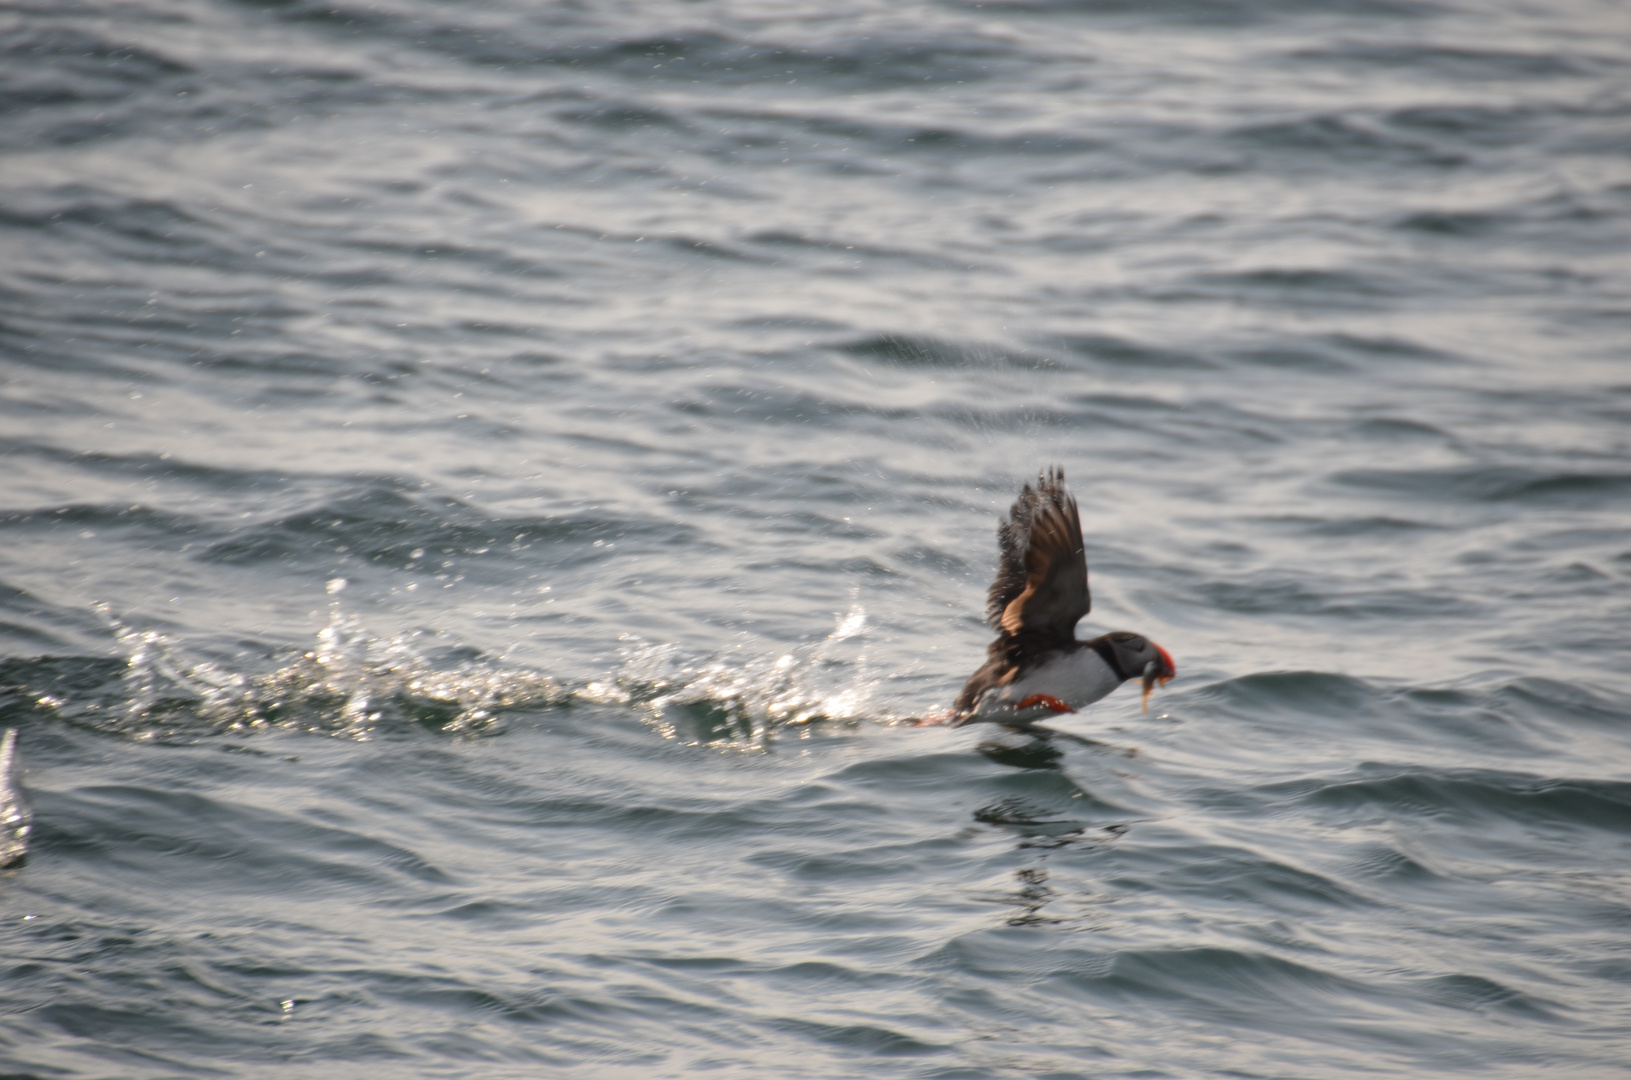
pixel 1037 665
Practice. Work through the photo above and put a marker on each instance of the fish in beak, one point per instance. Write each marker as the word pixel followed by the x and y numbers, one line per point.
pixel 1157 672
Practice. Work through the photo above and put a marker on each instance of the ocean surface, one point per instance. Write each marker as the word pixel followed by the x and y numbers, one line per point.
pixel 488 489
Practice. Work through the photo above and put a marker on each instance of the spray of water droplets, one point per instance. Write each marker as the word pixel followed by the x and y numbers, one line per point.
pixel 744 697
pixel 352 683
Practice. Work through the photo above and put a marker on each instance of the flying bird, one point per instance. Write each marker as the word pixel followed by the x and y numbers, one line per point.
pixel 1037 665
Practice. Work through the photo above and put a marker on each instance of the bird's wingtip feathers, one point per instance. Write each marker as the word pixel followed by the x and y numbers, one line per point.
pixel 1014 540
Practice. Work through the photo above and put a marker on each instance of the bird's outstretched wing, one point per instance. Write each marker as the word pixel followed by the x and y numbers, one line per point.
pixel 1041 584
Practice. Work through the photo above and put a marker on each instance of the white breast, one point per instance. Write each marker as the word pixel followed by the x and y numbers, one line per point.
pixel 1077 678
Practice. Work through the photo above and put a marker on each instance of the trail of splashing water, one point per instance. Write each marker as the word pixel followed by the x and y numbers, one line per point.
pixel 352 683
pixel 742 699
pixel 355 684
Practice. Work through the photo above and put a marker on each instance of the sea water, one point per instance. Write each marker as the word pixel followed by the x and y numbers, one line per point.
pixel 488 490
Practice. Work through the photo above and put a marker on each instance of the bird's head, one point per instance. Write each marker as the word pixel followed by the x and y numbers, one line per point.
pixel 1136 653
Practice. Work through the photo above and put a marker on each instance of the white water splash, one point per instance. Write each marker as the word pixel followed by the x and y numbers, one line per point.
pixel 746 695
pixel 350 683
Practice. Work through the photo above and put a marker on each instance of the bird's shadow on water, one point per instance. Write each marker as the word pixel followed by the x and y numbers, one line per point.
pixel 1034 746
pixel 1042 830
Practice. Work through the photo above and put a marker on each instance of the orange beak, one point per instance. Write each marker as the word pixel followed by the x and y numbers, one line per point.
pixel 1157 672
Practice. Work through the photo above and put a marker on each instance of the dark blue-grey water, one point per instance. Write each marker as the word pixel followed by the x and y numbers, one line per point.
pixel 486 487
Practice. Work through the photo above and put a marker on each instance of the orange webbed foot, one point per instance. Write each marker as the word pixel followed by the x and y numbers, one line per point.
pixel 1048 700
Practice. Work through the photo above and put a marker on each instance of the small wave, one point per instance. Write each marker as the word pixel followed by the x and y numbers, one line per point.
pixel 1298 689
pixel 1117 352
pixel 129 826
pixel 1467 224
pixel 1330 135
pixel 1568 703
pixel 1216 978
pixel 675 56
pixel 927 352
pixel 1480 125
pixel 1475 993
pixel 1227 13
pixel 1351 288
pixel 1496 483
pixel 1268 593
pixel 1523 799
pixel 72 65
pixel 1460 61
pixel 868 1039
pixel 389 523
